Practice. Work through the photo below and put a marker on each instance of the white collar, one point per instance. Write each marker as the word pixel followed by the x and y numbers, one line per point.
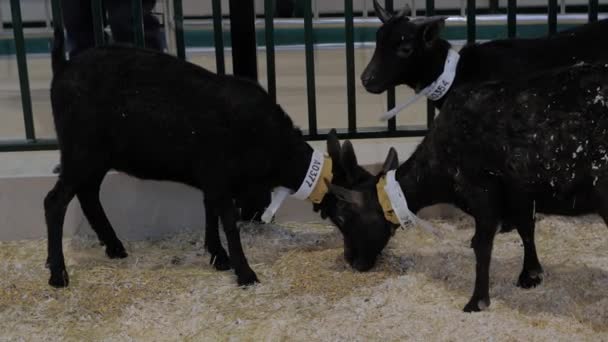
pixel 398 201
pixel 435 90
pixel 399 205
pixel 313 175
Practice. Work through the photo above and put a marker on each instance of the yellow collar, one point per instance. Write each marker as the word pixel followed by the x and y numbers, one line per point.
pixel 385 202
pixel 317 194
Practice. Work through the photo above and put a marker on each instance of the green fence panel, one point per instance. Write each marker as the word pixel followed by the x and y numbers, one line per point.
pixel 178 19
pixel 350 65
pixel 138 23
pixel 24 81
pixel 98 22
pixel 269 42
pixel 512 18
pixel 310 69
pixel 552 16
pixel 218 36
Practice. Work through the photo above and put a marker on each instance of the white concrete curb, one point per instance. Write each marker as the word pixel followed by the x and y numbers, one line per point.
pixel 137 209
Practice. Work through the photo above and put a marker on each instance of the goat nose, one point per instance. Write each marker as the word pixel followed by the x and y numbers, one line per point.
pixel 366 78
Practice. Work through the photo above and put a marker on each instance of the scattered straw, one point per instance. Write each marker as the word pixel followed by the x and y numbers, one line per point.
pixel 166 290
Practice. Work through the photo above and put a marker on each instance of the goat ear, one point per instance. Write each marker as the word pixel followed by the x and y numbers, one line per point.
pixel 333 145
pixel 354 173
pixel 431 29
pixel 405 12
pixel 348 156
pixel 350 196
pixel 391 162
pixel 382 13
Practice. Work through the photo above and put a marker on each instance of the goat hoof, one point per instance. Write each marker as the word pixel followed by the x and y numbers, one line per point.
pixel 59 279
pixel 530 279
pixel 220 261
pixel 477 305
pixel 116 251
pixel 247 278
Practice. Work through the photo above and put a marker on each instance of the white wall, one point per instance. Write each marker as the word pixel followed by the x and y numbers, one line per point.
pixel 136 208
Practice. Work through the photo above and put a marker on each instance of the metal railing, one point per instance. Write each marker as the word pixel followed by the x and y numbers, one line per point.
pixel 31 142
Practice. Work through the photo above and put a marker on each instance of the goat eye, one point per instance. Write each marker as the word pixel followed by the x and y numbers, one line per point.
pixel 404 50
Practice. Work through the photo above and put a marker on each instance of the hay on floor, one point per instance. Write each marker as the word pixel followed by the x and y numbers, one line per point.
pixel 166 290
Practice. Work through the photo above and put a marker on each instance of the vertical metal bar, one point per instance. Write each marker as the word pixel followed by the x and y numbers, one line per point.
pixel 593 9
pixel 310 68
pixel 493 8
pixel 98 25
pixel 552 20
pixel 26 100
pixel 178 19
pixel 390 94
pixel 242 34
pixel 430 8
pixel 562 6
pixel 1 21
pixel 471 26
pixel 350 65
pixel 430 107
pixel 56 14
pixel 512 18
pixel 269 35
pixel 218 37
pixel 138 23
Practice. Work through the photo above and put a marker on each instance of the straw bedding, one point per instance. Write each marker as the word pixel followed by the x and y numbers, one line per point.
pixel 166 290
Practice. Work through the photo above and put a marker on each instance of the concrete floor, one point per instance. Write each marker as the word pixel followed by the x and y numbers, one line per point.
pixel 330 73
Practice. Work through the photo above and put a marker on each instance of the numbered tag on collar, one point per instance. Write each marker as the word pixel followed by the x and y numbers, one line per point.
pixel 312 176
pixel 440 87
pixel 435 90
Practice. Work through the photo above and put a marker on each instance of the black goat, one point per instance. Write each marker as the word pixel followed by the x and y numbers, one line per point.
pixel 500 151
pixel 411 52
pixel 154 116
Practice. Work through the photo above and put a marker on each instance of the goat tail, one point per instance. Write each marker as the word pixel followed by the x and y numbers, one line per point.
pixel 57 53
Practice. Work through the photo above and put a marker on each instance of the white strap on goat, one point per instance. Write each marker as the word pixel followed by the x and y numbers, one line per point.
pixel 435 90
pixel 398 203
pixel 277 197
pixel 307 189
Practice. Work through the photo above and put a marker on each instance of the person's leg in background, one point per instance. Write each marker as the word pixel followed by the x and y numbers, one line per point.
pixel 285 8
pixel 120 17
pixel 155 38
pixel 78 22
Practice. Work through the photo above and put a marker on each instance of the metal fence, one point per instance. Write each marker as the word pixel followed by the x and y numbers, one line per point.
pixel 31 142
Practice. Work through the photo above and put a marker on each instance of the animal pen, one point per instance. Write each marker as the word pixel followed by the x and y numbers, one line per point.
pixel 165 289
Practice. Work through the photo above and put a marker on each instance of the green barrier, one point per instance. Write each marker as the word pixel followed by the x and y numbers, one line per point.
pixel 308 36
